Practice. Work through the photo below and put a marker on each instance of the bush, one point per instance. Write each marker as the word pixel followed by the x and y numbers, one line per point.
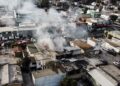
pixel 68 82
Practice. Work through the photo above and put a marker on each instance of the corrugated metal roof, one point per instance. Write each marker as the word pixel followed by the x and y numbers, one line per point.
pixel 101 78
pixel 113 71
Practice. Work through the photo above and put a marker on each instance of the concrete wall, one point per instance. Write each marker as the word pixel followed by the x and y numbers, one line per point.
pixel 52 80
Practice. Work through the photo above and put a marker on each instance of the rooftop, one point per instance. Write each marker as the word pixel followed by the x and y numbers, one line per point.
pixel 71 48
pixel 4 76
pixel 8 59
pixel 94 61
pixel 112 71
pixel 43 73
pixel 81 44
pixel 10 74
pixel 32 48
pixel 115 33
pixel 102 78
pixel 11 29
pixel 15 73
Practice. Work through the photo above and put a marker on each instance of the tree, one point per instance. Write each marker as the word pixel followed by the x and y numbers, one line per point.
pixel 42 3
pixel 113 18
pixel 68 82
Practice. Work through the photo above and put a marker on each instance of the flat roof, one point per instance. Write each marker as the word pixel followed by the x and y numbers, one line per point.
pixel 32 48
pixel 8 59
pixel 102 78
pixel 15 73
pixel 10 73
pixel 69 48
pixel 40 54
pixel 43 73
pixel 42 57
pixel 112 43
pixel 81 44
pixel 112 71
pixel 94 61
pixel 4 74
pixel 115 33
pixel 11 29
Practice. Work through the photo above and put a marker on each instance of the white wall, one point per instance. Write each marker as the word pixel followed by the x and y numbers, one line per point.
pixel 53 80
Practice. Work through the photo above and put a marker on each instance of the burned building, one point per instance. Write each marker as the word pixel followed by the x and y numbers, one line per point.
pixel 81 44
pixel 69 52
pixel 39 56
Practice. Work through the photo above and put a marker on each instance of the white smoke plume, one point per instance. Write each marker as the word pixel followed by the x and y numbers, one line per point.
pixel 10 4
pixel 51 26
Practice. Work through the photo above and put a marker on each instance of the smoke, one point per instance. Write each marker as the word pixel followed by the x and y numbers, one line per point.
pixel 7 8
pixel 59 42
pixel 51 26
pixel 10 4
pixel 8 21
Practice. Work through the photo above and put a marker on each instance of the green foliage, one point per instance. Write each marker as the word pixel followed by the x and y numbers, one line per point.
pixel 68 82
